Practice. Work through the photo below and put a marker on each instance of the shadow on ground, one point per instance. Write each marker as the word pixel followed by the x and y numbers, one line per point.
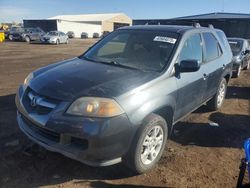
pixel 234 92
pixel 224 131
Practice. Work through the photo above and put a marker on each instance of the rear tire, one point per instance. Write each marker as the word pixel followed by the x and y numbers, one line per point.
pixel 216 102
pixel 148 144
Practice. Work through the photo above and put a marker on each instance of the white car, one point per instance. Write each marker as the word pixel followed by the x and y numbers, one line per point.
pixel 55 37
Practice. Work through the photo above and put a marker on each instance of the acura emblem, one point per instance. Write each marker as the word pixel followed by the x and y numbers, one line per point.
pixel 33 101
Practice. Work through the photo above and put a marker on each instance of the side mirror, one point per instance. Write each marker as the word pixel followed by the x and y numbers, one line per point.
pixel 247 52
pixel 187 66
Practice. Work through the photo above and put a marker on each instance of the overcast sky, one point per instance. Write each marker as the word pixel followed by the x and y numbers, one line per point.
pixel 17 10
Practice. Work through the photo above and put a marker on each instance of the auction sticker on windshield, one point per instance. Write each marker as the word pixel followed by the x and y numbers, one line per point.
pixel 165 39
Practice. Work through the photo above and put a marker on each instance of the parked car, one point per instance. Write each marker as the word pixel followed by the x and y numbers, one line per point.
pixel 71 34
pixel 241 57
pixel 96 35
pixel 84 35
pixel 55 37
pixel 120 100
pixel 26 34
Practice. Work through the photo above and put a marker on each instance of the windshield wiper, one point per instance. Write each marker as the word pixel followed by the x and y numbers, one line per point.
pixel 115 63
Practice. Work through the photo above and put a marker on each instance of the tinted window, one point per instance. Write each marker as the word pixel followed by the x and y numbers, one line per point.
pixel 192 49
pixel 213 49
pixel 53 33
pixel 222 37
pixel 145 50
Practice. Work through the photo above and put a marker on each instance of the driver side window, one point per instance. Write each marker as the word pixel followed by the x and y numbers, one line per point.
pixel 192 49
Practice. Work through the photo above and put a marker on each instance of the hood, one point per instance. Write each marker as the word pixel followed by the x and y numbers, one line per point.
pixel 77 77
pixel 49 36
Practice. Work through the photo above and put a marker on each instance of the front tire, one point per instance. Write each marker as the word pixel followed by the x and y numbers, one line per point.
pixel 248 65
pixel 148 145
pixel 27 39
pixel 216 102
pixel 11 37
pixel 237 73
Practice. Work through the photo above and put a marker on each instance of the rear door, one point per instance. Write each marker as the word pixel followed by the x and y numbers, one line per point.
pixel 214 64
pixel 35 34
pixel 191 85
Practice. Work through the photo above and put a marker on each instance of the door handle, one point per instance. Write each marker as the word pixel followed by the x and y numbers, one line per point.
pixel 205 76
pixel 223 66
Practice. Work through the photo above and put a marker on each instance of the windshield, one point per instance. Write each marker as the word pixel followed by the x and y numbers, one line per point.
pixel 236 46
pixel 144 50
pixel 17 29
pixel 53 33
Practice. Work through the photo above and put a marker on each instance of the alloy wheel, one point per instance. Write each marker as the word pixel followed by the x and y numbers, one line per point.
pixel 152 145
pixel 221 94
pixel 239 71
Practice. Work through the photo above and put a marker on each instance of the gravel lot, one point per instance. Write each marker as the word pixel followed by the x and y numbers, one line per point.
pixel 204 151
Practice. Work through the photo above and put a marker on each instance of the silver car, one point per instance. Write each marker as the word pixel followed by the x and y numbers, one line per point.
pixel 55 37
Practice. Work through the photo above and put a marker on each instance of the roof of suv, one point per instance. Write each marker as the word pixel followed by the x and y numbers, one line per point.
pixel 169 28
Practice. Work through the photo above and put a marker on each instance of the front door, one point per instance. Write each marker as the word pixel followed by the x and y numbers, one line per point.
pixel 191 85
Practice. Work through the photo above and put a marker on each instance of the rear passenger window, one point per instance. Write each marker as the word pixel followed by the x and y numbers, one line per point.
pixel 192 49
pixel 212 47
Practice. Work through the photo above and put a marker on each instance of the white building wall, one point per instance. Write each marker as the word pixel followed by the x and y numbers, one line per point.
pixel 78 28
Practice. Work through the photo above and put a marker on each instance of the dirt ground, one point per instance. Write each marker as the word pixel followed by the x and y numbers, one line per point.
pixel 204 151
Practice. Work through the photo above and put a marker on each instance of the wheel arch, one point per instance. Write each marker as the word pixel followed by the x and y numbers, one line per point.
pixel 227 77
pixel 167 113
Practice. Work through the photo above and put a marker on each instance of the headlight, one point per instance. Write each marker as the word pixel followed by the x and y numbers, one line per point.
pixel 28 79
pixel 95 107
pixel 52 38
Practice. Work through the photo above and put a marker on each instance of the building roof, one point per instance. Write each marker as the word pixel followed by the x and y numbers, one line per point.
pixel 86 17
pixel 217 15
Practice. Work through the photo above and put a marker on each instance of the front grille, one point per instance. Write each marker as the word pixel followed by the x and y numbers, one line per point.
pixel 74 142
pixel 51 135
pixel 40 105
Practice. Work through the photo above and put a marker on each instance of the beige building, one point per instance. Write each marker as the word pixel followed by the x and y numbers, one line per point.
pixel 91 23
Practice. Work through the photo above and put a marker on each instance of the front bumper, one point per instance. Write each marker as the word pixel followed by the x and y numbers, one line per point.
pixel 93 141
pixel 48 41
pixel 235 66
pixel 17 38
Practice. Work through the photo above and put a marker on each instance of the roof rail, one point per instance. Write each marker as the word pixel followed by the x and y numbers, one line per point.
pixel 196 25
pixel 210 26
